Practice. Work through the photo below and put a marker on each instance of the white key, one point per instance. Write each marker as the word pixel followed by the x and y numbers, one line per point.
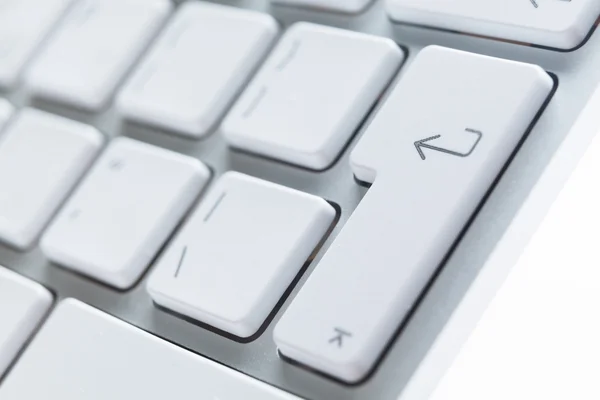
pixel 349 6
pixel 6 111
pixel 239 252
pixel 561 24
pixel 93 49
pixel 23 304
pixel 433 151
pixel 122 213
pixel 197 67
pixel 42 156
pixel 24 24
pixel 82 353
pixel 311 94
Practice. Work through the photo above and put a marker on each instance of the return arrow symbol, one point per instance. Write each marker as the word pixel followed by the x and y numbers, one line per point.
pixel 423 144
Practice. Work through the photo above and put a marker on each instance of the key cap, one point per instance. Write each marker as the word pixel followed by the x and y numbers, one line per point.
pixel 23 304
pixel 122 213
pixel 6 111
pixel 239 252
pixel 42 156
pixel 93 49
pixel 561 24
pixel 311 94
pixel 24 24
pixel 349 6
pixel 197 67
pixel 432 153
pixel 101 357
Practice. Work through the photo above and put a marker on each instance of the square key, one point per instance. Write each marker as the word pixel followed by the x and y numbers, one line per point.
pixel 311 94
pixel 196 68
pixel 125 209
pixel 239 252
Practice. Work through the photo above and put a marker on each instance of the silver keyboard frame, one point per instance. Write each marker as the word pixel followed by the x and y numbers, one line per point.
pixel 578 73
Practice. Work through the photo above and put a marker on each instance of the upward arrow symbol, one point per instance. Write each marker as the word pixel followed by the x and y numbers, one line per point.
pixel 339 336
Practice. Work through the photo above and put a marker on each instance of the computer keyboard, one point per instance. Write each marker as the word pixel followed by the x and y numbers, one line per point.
pixel 263 200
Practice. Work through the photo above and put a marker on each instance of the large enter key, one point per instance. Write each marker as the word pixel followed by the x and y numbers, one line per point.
pixel 432 153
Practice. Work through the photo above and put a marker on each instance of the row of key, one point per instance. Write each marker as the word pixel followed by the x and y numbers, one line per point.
pixel 244 243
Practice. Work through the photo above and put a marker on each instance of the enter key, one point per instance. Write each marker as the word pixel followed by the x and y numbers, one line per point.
pixel 432 153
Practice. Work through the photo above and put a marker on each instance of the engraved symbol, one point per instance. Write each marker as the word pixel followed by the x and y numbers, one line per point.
pixel 255 102
pixel 536 5
pixel 116 164
pixel 214 207
pixel 340 334
pixel 425 144
pixel 289 57
pixel 257 99
pixel 180 261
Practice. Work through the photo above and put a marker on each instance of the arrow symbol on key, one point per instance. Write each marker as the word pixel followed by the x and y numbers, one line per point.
pixel 425 144
pixel 340 334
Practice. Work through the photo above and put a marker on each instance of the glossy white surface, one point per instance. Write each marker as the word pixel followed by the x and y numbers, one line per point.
pixel 82 353
pixel 24 25
pixel 23 304
pixel 561 24
pixel 93 48
pixel 311 94
pixel 124 210
pixel 42 157
pixel 351 6
pixel 422 197
pixel 197 66
pixel 239 252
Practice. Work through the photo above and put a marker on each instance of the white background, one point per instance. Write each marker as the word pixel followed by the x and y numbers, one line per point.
pixel 540 336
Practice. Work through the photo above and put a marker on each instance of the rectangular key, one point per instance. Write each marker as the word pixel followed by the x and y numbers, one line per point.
pixel 122 213
pixel 82 353
pixel 93 48
pixel 24 25
pixel 239 252
pixel 561 24
pixel 311 94
pixel 432 153
pixel 349 6
pixel 42 157
pixel 197 66
pixel 6 111
pixel 23 304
